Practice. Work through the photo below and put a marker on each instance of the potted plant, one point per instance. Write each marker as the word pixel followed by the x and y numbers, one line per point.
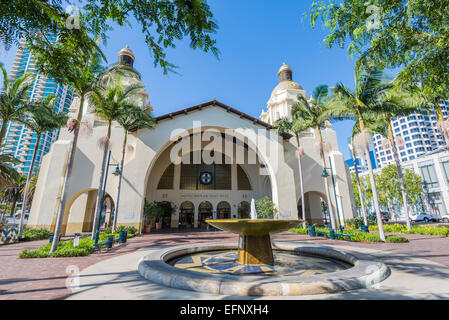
pixel 153 212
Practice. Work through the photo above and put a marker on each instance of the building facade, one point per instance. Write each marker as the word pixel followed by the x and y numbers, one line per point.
pixel 209 160
pixel 19 141
pixel 417 135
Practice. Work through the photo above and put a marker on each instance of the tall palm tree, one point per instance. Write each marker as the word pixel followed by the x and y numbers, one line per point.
pixel 41 118
pixel 358 105
pixel 314 114
pixel 110 104
pixel 133 118
pixel 355 131
pixel 295 127
pixel 13 99
pixel 84 76
pixel 395 103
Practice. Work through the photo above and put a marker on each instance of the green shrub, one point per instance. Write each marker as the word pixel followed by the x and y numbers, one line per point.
pixel 423 230
pixel 71 252
pixel 356 223
pixel 130 229
pixel 265 208
pixel 29 234
pixel 356 235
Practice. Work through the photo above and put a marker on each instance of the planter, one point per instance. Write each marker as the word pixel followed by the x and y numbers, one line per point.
pixel 158 225
pixel 148 228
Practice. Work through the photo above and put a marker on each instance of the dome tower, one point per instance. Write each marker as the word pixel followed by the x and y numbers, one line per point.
pixel 283 97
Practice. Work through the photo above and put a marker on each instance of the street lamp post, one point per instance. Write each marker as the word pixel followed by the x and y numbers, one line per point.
pixel 115 173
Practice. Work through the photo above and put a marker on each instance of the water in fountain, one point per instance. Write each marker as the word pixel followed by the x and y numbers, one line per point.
pixel 253 213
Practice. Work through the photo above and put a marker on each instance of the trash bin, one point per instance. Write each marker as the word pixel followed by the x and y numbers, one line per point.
pixel 365 228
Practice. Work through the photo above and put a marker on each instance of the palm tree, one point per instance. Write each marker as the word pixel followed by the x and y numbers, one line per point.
pixel 133 118
pixel 295 127
pixel 13 193
pixel 355 131
pixel 109 105
pixel 314 115
pixel 393 104
pixel 41 118
pixel 84 77
pixel 13 99
pixel 358 105
pixel 7 173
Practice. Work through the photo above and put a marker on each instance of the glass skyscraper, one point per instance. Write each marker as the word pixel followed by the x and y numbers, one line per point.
pixel 19 141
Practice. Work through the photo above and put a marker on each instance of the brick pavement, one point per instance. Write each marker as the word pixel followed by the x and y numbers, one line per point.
pixel 45 278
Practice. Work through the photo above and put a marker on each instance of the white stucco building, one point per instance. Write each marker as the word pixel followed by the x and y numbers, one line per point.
pixel 249 160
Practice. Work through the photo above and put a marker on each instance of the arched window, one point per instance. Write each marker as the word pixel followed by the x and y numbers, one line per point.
pixel 242 179
pixel 205 212
pixel 166 181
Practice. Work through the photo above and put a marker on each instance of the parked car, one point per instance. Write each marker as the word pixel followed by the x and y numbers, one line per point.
pixel 445 218
pixel 424 217
pixel 384 215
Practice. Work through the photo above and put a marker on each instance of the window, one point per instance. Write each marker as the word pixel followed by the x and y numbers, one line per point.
pixel 445 166
pixel 242 179
pixel 166 181
pixel 429 176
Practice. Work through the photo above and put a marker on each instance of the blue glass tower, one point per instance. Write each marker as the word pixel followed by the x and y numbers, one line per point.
pixel 19 141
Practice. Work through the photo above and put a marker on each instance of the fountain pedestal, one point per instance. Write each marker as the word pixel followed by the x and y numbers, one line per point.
pixel 255 242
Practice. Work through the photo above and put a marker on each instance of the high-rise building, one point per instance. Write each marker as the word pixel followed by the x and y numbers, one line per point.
pixel 20 141
pixel 416 134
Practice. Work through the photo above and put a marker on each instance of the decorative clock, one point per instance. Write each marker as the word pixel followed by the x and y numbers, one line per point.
pixel 206 178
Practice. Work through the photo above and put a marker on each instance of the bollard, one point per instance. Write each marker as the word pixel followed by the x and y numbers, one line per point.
pixel 365 229
pixel 332 234
pixel 110 242
pixel 312 231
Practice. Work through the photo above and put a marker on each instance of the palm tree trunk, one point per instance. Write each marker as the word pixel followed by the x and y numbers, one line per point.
pixel 27 186
pixel 359 186
pixel 114 225
pixel 326 184
pixel 441 121
pixel 68 173
pixel 3 131
pixel 303 207
pixel 373 184
pixel 99 203
pixel 400 176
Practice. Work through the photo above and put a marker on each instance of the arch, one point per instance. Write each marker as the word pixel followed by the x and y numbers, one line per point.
pixel 236 135
pixel 243 181
pixel 186 215
pixel 80 210
pixel 244 210
pixel 205 211
pixel 223 210
pixel 313 205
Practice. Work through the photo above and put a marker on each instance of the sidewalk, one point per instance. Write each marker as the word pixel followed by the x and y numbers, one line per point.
pixel 46 278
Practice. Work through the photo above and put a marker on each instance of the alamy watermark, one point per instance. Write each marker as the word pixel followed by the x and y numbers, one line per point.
pixel 73 21
pixel 73 280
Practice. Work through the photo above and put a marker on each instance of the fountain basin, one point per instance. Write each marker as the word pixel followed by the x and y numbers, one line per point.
pixel 360 273
pixel 255 243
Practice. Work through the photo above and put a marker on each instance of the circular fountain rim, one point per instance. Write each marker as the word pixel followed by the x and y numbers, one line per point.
pixel 154 267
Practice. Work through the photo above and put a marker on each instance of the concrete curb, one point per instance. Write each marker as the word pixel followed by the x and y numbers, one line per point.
pixel 363 274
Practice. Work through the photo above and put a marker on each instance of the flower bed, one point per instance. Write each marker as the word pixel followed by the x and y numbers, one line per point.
pixel 357 236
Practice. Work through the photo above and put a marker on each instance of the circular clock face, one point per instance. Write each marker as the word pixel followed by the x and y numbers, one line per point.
pixel 206 178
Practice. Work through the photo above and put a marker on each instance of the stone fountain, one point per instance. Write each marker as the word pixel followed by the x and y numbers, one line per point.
pixel 255 242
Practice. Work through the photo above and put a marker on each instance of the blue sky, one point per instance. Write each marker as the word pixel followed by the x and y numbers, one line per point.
pixel 254 38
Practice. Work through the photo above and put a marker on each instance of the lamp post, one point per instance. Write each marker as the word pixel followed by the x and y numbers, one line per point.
pixel 115 173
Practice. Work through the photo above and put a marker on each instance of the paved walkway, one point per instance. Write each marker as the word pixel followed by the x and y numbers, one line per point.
pixel 425 258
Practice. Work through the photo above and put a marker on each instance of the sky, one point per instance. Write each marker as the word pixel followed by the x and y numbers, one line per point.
pixel 254 39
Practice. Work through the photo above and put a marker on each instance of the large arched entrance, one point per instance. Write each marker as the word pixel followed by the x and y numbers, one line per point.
pixel 209 179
